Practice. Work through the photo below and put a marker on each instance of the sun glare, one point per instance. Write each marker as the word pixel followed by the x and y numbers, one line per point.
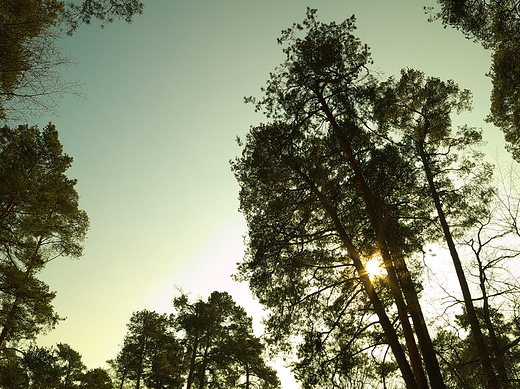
pixel 374 268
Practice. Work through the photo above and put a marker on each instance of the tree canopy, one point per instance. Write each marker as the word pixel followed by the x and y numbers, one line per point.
pixel 495 24
pixel 352 170
pixel 59 367
pixel 40 220
pixel 205 344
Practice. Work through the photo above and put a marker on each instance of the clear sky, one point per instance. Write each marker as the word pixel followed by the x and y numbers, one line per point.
pixel 152 143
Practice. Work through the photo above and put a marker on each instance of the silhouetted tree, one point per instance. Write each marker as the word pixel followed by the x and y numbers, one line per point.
pixel 460 359
pixel 30 62
pixel 493 246
pixel 205 344
pixel 220 349
pixel 97 378
pixel 70 365
pixel 42 368
pixel 57 367
pixel 322 192
pixel 419 111
pixel 39 221
pixel 150 353
pixel 12 373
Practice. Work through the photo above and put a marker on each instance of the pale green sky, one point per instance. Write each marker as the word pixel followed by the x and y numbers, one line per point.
pixel 152 144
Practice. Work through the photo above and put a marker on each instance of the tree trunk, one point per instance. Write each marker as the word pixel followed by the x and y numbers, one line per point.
pixel 203 369
pixel 478 337
pixel 191 373
pixel 384 321
pixel 498 351
pixel 247 376
pixel 429 355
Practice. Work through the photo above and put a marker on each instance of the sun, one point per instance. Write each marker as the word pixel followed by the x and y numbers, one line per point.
pixel 374 268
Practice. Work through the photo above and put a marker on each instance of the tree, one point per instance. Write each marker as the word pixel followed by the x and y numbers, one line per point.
pixel 460 358
pixel 57 367
pixel 493 245
pixel 41 366
pixel 322 193
pixel 205 344
pixel 495 25
pixel 150 354
pixel 97 378
pixel 298 205
pixel 165 371
pixel 31 62
pixel 12 374
pixel 70 365
pixel 220 349
pixel 40 220
pixel 420 110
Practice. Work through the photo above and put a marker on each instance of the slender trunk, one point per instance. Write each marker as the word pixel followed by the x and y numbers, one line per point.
pixel 402 310
pixel 478 337
pixel 139 371
pixel 421 330
pixel 191 373
pixel 498 351
pixel 428 352
pixel 123 377
pixel 384 321
pixel 247 376
pixel 202 380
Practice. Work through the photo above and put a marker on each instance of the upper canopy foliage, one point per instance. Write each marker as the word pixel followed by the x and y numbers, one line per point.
pixel 40 220
pixel 495 24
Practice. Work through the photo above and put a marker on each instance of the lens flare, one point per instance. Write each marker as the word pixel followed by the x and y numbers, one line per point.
pixel 374 268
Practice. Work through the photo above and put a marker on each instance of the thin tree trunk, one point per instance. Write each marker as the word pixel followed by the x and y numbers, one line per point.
pixel 485 360
pixel 191 373
pixel 247 376
pixel 203 369
pixel 123 377
pixel 498 351
pixel 421 329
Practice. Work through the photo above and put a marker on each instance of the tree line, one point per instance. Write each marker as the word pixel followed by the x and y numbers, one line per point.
pixel 204 344
pixel 349 170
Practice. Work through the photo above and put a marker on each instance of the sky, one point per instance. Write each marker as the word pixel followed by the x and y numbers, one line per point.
pixel 153 138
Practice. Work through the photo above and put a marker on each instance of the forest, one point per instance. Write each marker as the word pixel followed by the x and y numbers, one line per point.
pixel 348 188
